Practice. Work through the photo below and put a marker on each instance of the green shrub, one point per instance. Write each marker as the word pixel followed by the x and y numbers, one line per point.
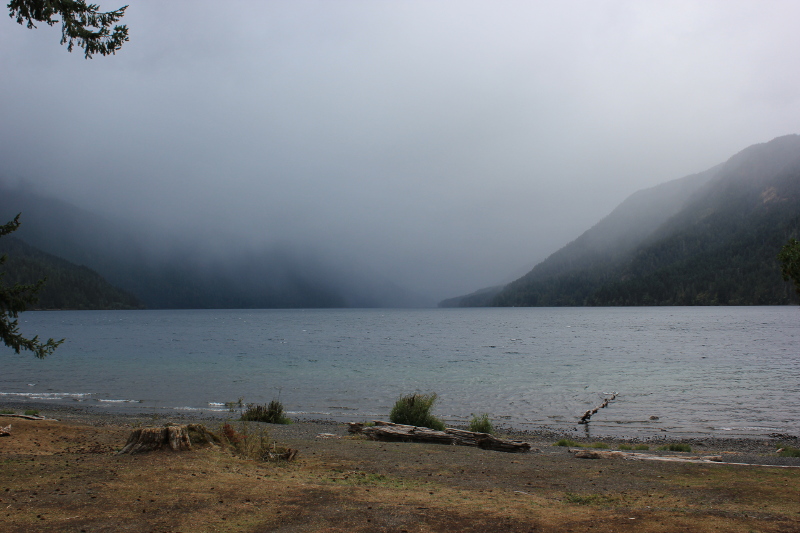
pixel 567 442
pixel 599 445
pixel 641 447
pixel 788 451
pixel 415 410
pixel 6 412
pixel 32 412
pixel 481 424
pixel 625 447
pixel 271 414
pixel 676 447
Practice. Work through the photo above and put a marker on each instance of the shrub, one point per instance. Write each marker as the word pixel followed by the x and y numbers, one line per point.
pixel 230 435
pixel 271 414
pixel 256 444
pixel 568 442
pixel 6 412
pixel 625 447
pixel 641 447
pixel 788 451
pixel 481 424
pixel 415 410
pixel 599 445
pixel 32 412
pixel 676 447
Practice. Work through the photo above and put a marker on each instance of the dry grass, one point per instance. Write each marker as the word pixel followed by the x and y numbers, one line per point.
pixel 62 477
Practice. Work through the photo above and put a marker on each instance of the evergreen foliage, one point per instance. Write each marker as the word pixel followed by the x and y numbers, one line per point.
pixel 68 286
pixel 15 299
pixel 81 23
pixel 790 262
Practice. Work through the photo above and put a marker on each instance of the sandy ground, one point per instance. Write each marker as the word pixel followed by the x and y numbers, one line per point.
pixel 66 476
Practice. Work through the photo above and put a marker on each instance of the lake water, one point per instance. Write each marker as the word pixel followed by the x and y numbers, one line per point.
pixel 724 371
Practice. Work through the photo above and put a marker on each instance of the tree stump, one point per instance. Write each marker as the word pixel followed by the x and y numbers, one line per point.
pixel 173 437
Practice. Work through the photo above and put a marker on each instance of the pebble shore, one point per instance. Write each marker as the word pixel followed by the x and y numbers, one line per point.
pixel 756 450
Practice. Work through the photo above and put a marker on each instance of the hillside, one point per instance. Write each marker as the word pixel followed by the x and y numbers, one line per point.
pixel 68 286
pixel 706 239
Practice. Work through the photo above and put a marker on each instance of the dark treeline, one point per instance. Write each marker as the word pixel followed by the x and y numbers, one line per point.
pixel 68 286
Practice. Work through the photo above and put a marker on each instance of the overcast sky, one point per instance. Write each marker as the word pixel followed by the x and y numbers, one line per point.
pixel 447 144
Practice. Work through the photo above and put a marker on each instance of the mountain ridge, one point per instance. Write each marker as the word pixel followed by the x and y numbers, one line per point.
pixel 704 239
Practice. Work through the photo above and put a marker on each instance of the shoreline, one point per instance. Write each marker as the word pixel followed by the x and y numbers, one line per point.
pixel 309 428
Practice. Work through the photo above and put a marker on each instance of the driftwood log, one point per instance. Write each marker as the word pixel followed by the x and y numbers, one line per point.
pixel 6 431
pixel 388 431
pixel 715 459
pixel 173 437
pixel 29 417
pixel 588 414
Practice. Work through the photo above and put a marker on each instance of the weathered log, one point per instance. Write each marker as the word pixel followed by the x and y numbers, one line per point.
pixel 388 431
pixel 6 431
pixel 170 437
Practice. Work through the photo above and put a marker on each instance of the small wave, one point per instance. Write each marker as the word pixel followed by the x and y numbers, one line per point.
pixel 747 428
pixel 118 401
pixel 47 395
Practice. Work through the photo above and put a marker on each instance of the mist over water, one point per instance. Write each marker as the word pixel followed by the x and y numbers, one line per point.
pixel 702 371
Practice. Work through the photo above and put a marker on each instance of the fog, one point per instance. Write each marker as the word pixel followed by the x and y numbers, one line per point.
pixel 445 145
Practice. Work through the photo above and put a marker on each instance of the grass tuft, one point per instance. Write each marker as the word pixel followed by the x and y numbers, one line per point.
pixel 788 451
pixel 641 447
pixel 415 410
pixel 481 424
pixel 599 445
pixel 6 412
pixel 255 444
pixel 32 412
pixel 568 442
pixel 271 414
pixel 625 447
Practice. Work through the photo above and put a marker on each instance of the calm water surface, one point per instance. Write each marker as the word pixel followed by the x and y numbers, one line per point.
pixel 702 370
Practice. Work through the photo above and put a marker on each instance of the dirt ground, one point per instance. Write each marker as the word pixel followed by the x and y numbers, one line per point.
pixel 66 477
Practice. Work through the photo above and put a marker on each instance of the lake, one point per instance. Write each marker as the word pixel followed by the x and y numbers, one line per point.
pixel 722 371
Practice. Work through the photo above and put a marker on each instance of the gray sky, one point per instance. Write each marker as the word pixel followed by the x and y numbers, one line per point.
pixel 446 144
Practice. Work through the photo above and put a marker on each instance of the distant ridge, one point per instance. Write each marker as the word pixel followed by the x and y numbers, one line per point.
pixel 707 239
pixel 183 275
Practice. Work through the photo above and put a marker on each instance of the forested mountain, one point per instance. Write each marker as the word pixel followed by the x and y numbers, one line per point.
pixel 706 239
pixel 180 275
pixel 68 286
